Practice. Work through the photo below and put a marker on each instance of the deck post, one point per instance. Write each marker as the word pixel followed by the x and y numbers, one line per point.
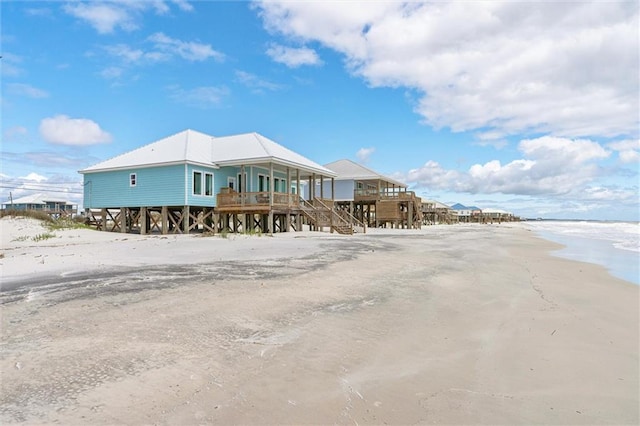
pixel 103 221
pixel 144 226
pixel 185 219
pixel 165 220
pixel 271 184
pixel 123 219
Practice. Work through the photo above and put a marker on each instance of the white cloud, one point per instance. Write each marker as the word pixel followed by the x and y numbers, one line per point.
pixel 552 166
pixel 293 57
pixel 10 65
pixel 107 17
pixel 129 55
pixel 34 177
pixel 104 17
pixel 364 154
pixel 199 97
pixel 27 90
pixel 256 83
pixel 14 133
pixel 111 73
pixel 506 67
pixel 189 50
pixel 183 5
pixel 628 150
pixel 64 130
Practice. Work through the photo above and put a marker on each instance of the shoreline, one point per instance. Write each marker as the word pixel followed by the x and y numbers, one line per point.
pixel 599 243
pixel 396 326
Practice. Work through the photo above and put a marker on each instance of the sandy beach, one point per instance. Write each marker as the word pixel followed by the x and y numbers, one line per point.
pixel 465 324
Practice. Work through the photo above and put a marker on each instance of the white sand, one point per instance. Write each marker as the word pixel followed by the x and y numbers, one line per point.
pixel 449 324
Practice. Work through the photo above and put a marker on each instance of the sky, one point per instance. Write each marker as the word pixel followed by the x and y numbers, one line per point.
pixel 530 107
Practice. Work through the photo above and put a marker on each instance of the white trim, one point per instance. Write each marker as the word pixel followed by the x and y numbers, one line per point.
pixel 205 184
pixel 186 184
pixel 147 166
pixel 193 183
pixel 133 180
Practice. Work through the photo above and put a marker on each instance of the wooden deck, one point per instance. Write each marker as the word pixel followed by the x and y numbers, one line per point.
pixel 258 202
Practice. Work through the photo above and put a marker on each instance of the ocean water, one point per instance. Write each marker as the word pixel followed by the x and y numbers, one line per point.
pixel 614 245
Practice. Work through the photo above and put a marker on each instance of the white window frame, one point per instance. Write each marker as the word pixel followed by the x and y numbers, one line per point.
pixel 133 179
pixel 266 182
pixel 204 187
pixel 231 182
pixel 193 182
pixel 203 183
pixel 242 181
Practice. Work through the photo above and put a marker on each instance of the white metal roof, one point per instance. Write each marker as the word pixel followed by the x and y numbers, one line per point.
pixel 500 211
pixel 438 204
pixel 36 199
pixel 349 170
pixel 255 148
pixel 186 146
pixel 190 146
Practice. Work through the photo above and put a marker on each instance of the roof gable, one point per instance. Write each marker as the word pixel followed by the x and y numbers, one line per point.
pixel 36 199
pixel 186 146
pixel 350 170
pixel 190 146
pixel 253 147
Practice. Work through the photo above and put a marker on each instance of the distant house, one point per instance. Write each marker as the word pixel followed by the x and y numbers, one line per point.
pixel 192 180
pixel 52 206
pixel 463 212
pixel 373 198
pixel 435 212
pixel 497 215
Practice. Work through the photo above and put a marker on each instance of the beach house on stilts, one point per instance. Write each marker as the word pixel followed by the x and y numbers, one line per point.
pixel 373 198
pixel 192 181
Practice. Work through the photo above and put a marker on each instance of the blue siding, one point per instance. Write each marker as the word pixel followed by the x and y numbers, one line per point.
pixel 254 172
pixel 202 199
pixel 344 189
pixel 162 186
pixel 155 186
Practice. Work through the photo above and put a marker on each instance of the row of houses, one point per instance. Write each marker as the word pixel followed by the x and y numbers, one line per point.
pixel 192 181
pixel 53 206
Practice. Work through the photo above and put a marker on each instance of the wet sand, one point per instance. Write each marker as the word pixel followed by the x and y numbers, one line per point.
pixel 446 325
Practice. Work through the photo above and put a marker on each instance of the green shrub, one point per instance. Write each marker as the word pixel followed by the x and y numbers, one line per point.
pixel 44 236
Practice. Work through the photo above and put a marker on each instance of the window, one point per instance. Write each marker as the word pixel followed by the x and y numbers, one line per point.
pixel 241 182
pixel 208 184
pixel 231 182
pixel 263 183
pixel 202 184
pixel 133 179
pixel 197 183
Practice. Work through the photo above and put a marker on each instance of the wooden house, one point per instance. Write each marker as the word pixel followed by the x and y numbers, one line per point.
pixel 372 198
pixel 53 206
pixel 467 214
pixel 497 215
pixel 435 212
pixel 193 181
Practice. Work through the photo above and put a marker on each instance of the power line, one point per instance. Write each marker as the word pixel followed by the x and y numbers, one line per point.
pixel 40 189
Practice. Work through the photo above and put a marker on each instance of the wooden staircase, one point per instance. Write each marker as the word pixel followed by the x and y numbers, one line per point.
pixel 321 215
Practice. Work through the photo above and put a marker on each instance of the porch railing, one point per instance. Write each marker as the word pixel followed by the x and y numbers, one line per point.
pixel 382 194
pixel 257 199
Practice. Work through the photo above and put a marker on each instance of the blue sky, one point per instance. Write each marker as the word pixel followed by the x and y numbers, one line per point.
pixel 531 107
